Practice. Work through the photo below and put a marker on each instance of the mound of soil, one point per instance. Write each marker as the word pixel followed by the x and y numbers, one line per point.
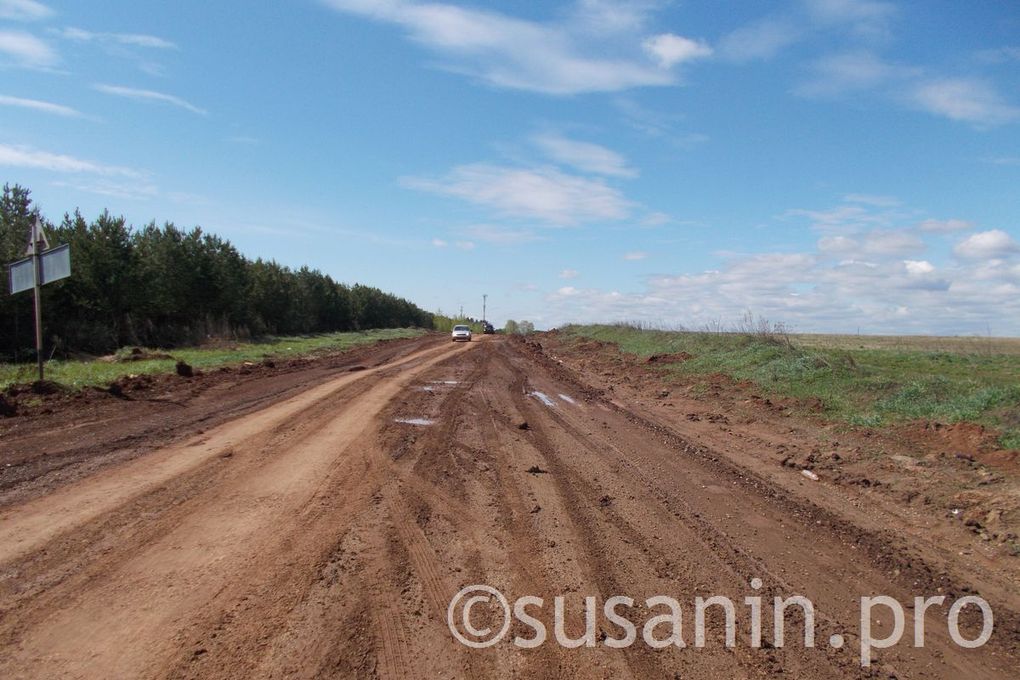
pixel 46 387
pixel 966 438
pixel 130 383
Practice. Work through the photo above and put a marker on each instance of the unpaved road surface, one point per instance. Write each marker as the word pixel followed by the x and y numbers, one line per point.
pixel 318 526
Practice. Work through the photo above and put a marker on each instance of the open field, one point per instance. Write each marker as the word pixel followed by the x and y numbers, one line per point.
pixel 958 344
pixel 859 380
pixel 77 374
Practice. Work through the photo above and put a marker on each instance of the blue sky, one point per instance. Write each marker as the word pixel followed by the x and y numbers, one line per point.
pixel 831 164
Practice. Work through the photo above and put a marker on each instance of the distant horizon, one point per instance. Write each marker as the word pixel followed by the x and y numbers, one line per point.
pixel 828 164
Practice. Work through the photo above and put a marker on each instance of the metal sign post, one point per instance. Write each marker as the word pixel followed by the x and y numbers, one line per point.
pixel 43 265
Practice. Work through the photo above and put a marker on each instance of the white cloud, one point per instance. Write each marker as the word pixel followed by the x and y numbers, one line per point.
pixel 856 216
pixel 149 95
pixel 987 245
pixel 26 49
pixel 656 219
pixel 837 244
pixel 465 245
pixel 546 194
pixel 612 17
pixel 944 226
pixel 889 243
pixel 552 58
pixel 963 99
pixel 584 156
pixel 41 106
pixel 838 74
pixel 669 49
pixel 635 255
pixel 807 294
pixel 869 232
pixel 24 10
pixel 569 274
pixel 439 243
pixel 128 39
pixel 761 39
pixel 859 278
pixel 131 191
pixel 918 267
pixel 27 157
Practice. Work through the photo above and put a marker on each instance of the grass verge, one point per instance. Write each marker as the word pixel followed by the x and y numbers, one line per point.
pixel 863 386
pixel 78 374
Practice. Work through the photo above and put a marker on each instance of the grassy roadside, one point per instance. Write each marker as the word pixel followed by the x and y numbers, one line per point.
pixel 78 374
pixel 855 381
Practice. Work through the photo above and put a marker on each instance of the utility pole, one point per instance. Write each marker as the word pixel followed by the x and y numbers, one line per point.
pixel 484 298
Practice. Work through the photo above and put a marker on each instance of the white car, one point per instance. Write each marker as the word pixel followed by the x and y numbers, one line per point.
pixel 461 333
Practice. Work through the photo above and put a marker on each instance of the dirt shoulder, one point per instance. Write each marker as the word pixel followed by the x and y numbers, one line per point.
pixel 61 436
pixel 946 486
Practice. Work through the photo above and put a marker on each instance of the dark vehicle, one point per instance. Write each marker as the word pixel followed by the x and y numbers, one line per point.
pixel 488 328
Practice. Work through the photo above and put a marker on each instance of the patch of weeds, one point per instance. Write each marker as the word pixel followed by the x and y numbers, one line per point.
pixel 699 389
pixel 1010 439
pixel 865 419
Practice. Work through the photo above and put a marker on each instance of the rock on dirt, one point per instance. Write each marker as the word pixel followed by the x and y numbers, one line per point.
pixel 535 470
pixel 185 370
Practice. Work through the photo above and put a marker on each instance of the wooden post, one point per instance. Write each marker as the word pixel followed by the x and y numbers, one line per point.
pixel 37 267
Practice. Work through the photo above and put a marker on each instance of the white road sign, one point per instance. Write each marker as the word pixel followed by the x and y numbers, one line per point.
pixel 56 265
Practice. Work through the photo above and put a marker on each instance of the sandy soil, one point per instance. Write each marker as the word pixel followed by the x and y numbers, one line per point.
pixel 315 521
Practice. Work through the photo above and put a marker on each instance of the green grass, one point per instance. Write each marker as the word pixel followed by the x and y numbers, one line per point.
pixel 870 386
pixel 78 374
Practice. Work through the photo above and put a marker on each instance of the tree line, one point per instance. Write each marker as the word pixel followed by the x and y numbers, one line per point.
pixel 166 286
pixel 513 327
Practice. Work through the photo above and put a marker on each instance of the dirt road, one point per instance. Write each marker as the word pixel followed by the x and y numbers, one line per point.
pixel 322 530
